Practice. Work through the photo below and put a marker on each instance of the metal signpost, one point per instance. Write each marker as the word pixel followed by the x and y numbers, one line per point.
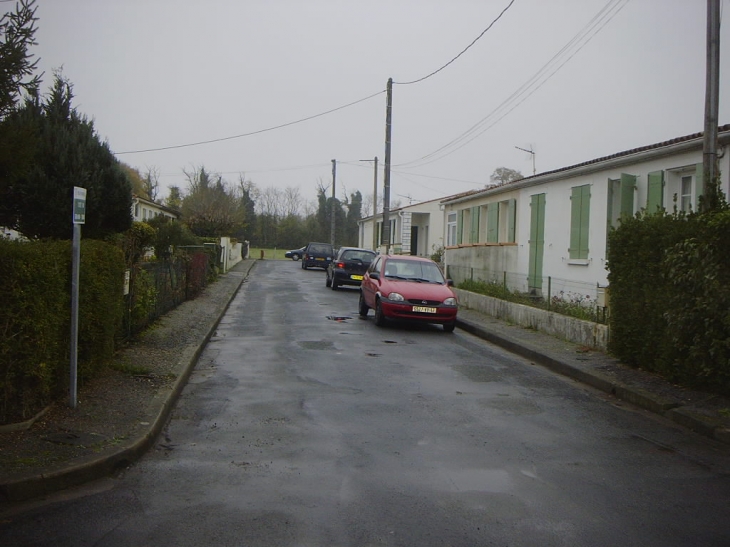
pixel 79 217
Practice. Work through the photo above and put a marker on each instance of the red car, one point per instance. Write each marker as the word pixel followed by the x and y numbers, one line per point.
pixel 409 288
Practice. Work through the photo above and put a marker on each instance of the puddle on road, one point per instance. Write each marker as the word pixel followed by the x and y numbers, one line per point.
pixel 338 317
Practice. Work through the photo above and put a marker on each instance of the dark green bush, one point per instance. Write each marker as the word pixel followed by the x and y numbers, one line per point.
pixel 35 325
pixel 101 304
pixel 670 295
pixel 36 319
pixel 698 315
pixel 639 286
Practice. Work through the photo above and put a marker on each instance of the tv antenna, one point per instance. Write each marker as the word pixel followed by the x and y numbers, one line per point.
pixel 532 153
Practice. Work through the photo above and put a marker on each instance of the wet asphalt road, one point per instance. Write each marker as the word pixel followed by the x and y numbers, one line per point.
pixel 304 425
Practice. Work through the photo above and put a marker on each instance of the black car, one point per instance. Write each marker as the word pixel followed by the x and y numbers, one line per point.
pixel 317 255
pixel 349 267
pixel 295 254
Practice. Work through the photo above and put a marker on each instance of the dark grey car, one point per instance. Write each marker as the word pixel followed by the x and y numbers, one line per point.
pixel 317 255
pixel 349 267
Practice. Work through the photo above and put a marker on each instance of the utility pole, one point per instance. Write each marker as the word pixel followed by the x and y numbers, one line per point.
pixel 375 204
pixel 712 89
pixel 334 177
pixel 386 182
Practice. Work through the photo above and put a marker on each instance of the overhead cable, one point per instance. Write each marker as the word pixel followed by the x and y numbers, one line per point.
pixel 580 40
pixel 252 132
pixel 462 52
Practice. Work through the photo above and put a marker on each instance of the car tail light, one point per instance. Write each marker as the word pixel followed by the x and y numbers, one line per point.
pixel 341 265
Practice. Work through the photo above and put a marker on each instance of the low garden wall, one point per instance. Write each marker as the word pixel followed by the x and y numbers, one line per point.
pixel 577 331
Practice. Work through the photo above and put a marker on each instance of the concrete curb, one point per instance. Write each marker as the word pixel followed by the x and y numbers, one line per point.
pixel 670 409
pixel 127 452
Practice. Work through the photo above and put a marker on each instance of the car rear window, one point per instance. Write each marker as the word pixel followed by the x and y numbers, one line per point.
pixel 320 249
pixel 358 255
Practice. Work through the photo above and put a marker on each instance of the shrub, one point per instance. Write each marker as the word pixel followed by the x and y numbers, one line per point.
pixel 36 320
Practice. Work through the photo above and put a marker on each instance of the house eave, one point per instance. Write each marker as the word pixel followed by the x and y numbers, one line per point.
pixel 611 162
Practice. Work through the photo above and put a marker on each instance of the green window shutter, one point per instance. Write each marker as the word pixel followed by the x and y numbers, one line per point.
pixel 474 235
pixel 511 219
pixel 459 227
pixel 628 184
pixel 537 240
pixel 699 184
pixel 580 202
pixel 493 223
pixel 655 192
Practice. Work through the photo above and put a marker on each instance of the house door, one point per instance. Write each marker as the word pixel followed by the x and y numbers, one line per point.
pixel 414 240
pixel 537 243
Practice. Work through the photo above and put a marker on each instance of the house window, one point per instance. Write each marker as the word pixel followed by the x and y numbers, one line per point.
pixel 686 185
pixel 580 207
pixel 500 223
pixel 507 217
pixel 451 230
pixel 685 194
pixel 136 210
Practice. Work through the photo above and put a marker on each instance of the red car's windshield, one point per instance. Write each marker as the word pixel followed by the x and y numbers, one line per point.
pixel 412 270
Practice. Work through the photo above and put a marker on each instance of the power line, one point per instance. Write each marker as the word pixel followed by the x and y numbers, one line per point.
pixel 252 132
pixel 602 18
pixel 463 51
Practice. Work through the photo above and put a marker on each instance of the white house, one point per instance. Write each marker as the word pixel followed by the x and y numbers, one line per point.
pixel 547 234
pixel 143 210
pixel 415 229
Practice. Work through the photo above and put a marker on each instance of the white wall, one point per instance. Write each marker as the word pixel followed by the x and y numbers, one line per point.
pixel 566 274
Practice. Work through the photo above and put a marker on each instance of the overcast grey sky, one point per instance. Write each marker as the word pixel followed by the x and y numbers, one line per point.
pixel 165 73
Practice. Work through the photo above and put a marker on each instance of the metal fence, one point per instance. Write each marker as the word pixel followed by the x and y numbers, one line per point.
pixel 155 288
pixel 546 292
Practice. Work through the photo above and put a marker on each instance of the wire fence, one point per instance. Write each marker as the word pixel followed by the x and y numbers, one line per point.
pixel 576 298
pixel 155 288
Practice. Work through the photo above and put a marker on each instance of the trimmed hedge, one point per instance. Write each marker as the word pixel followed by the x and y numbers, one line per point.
pixel 36 319
pixel 670 296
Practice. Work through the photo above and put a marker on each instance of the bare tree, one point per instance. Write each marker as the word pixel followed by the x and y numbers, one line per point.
pixel 367 205
pixel 292 201
pixel 151 182
pixel 271 202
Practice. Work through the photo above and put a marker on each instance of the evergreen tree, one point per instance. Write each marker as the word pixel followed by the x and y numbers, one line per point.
pixel 65 152
pixel 17 34
pixel 354 213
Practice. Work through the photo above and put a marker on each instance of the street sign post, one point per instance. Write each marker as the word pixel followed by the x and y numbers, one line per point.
pixel 79 218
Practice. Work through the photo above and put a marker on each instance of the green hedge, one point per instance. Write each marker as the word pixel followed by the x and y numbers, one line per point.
pixel 36 319
pixel 669 281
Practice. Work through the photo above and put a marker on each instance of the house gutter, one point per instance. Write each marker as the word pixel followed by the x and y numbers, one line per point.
pixel 611 163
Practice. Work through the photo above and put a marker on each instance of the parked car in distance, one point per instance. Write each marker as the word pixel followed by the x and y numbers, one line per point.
pixel 295 254
pixel 317 255
pixel 408 288
pixel 349 267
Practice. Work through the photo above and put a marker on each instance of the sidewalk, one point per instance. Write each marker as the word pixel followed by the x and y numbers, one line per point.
pixel 120 416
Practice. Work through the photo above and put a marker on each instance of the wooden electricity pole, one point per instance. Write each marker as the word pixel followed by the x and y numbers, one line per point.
pixel 712 90
pixel 386 182
pixel 334 178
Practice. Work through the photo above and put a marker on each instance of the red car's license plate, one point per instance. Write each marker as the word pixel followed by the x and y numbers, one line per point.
pixel 423 309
